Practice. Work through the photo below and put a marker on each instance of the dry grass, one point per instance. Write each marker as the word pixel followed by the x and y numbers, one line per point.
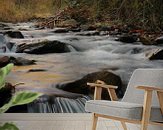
pixel 23 10
pixel 148 13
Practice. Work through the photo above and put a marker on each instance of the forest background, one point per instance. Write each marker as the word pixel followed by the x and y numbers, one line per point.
pixel 143 13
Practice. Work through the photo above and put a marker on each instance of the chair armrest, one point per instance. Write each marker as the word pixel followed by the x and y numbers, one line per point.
pixel 102 85
pixel 98 90
pixel 149 88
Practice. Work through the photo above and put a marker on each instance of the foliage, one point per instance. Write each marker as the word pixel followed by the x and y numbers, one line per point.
pixel 19 98
pixel 147 13
pixel 24 10
pixel 8 126
pixel 3 73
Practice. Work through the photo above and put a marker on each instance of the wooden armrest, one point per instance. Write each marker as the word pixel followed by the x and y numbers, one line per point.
pixel 102 85
pixel 149 88
pixel 98 90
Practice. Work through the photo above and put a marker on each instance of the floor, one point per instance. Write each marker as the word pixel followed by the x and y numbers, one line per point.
pixel 57 122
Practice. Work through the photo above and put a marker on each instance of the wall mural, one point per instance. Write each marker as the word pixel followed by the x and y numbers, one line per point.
pixel 57 56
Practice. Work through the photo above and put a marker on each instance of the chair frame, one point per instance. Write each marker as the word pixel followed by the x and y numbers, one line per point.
pixel 145 121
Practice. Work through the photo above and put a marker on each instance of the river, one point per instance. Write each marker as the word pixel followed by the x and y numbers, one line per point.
pixel 88 54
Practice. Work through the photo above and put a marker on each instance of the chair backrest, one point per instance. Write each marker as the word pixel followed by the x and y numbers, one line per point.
pixel 146 77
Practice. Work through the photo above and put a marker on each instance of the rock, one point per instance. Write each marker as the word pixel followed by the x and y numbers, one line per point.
pixel 104 28
pixel 10 45
pixel 80 86
pixel 115 32
pixel 61 30
pixel 145 41
pixel 37 70
pixel 2 39
pixel 136 50
pixel 88 28
pixel 156 54
pixel 19 61
pixel 69 23
pixel 44 47
pixel 159 40
pixel 75 29
pixel 92 33
pixel 102 33
pixel 5 45
pixel 4 60
pixel 127 38
pixel 6 93
pixel 4 26
pixel 14 34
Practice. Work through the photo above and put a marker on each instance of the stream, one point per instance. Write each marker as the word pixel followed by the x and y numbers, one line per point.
pixel 88 54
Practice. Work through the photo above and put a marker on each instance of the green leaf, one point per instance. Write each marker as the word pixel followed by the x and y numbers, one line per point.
pixel 20 98
pixel 24 97
pixel 5 107
pixel 8 126
pixel 3 73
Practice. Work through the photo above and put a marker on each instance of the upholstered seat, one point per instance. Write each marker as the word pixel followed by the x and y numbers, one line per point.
pixel 126 110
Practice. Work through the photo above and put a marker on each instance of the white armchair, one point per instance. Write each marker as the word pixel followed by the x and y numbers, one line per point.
pixel 138 107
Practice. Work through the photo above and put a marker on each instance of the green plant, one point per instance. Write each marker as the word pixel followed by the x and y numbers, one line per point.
pixel 19 98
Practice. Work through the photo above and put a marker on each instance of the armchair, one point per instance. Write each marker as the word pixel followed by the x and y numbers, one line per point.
pixel 137 107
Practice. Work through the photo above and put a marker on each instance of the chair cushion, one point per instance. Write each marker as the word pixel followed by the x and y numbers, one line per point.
pixel 124 110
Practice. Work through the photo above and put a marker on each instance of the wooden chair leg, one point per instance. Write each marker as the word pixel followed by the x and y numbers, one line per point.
pixel 124 125
pixel 94 122
pixel 146 110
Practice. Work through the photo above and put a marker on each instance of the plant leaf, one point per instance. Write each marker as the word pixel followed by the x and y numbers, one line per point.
pixel 5 107
pixel 3 73
pixel 8 126
pixel 20 98
pixel 24 97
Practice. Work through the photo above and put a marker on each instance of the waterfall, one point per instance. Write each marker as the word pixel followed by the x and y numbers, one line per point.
pixel 5 45
pixel 52 104
pixel 71 48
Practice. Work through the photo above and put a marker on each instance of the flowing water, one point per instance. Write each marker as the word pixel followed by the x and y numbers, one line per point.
pixel 88 54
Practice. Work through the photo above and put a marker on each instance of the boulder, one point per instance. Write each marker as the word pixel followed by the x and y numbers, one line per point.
pixel 159 40
pixel 14 34
pixel 4 60
pixel 61 30
pixel 44 47
pixel 136 50
pixel 92 33
pixel 156 54
pixel 126 38
pixel 36 70
pixel 80 86
pixel 5 44
pixel 69 23
pixel 2 39
pixel 145 41
pixel 19 61
pixel 10 45
pixel 104 28
pixel 6 93
pixel 4 26
pixel 74 29
pixel 88 28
